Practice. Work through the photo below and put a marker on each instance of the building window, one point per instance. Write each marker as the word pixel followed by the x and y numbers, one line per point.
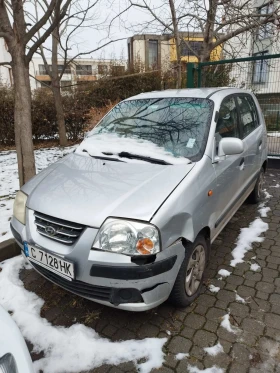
pixel 191 48
pixel 102 69
pixel 265 31
pixel 153 53
pixel 129 53
pixel 83 69
pixel 260 70
pixel 43 71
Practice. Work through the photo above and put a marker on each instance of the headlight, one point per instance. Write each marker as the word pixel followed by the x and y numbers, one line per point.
pixel 127 237
pixel 8 364
pixel 19 207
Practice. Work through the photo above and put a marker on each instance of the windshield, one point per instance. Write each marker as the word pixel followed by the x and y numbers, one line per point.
pixel 177 126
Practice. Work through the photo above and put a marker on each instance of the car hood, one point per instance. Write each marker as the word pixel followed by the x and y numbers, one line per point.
pixel 86 190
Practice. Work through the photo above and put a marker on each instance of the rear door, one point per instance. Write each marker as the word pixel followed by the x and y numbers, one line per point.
pixel 252 136
pixel 228 169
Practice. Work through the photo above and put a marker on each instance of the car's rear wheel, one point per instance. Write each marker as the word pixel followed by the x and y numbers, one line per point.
pixel 190 277
pixel 258 193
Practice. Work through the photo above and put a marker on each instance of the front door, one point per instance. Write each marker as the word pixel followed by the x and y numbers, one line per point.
pixel 229 169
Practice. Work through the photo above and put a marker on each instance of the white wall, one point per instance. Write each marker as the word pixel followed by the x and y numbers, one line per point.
pixel 5 73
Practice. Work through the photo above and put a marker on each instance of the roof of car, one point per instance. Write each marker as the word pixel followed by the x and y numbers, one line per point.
pixel 190 92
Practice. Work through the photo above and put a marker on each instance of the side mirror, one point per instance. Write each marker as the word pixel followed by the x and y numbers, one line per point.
pixel 230 146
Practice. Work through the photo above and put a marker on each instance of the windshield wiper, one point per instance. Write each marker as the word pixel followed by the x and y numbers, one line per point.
pixel 142 158
pixel 103 158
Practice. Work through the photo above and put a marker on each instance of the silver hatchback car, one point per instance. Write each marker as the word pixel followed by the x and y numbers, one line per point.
pixel 127 220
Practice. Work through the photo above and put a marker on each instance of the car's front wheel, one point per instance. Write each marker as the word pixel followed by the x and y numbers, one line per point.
pixel 258 193
pixel 190 277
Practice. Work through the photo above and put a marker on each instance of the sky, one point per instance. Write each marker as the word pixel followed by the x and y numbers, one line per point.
pixel 99 33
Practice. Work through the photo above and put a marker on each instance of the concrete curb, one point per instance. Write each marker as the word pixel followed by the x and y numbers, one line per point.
pixel 9 249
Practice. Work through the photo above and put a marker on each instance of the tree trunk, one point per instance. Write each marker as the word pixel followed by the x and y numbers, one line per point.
pixel 177 44
pixel 22 117
pixel 59 112
pixel 56 90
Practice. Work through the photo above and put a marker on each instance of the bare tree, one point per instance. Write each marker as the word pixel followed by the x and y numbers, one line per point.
pixel 79 15
pixel 217 21
pixel 22 44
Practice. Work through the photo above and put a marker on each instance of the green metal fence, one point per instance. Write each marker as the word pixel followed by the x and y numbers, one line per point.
pixel 260 74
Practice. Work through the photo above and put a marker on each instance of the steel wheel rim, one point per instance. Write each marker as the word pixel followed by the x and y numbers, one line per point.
pixel 195 270
pixel 260 185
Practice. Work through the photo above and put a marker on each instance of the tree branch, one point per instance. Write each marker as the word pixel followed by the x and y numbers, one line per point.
pixel 48 32
pixel 41 22
pixel 5 63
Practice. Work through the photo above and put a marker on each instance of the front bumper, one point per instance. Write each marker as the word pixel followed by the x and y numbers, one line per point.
pixel 108 278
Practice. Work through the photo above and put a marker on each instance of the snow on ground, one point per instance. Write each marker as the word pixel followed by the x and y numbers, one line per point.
pixel 263 211
pixel 224 273
pixel 9 183
pixel 214 289
pixel 213 369
pixel 273 134
pixel 245 239
pixel 275 186
pixel 254 267
pixel 266 194
pixel 181 356
pixel 214 350
pixel 239 299
pixel 227 325
pixel 78 347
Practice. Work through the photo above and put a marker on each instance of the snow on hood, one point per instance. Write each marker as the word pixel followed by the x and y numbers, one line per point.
pixel 96 145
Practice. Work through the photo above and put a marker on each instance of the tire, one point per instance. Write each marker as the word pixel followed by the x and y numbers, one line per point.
pixel 184 292
pixel 257 194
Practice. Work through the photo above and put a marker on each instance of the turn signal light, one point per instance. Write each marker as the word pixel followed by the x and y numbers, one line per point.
pixel 145 246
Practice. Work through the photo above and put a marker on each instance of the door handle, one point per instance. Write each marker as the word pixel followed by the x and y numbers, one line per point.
pixel 241 164
pixel 260 144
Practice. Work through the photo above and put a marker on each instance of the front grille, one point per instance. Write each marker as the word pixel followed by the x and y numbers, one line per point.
pixel 78 287
pixel 57 229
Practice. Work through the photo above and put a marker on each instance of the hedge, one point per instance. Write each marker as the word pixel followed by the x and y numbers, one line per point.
pixel 77 104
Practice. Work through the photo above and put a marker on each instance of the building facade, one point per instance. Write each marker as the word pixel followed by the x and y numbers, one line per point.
pixel 154 51
pixel 79 71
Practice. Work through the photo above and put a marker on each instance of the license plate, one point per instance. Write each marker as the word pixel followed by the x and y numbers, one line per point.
pixel 55 264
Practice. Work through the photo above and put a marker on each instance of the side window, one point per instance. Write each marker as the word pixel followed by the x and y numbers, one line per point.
pixel 248 115
pixel 227 124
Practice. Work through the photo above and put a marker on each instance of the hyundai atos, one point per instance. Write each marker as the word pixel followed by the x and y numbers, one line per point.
pixel 128 218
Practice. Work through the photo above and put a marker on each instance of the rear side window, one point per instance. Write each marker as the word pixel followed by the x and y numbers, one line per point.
pixel 248 115
pixel 227 124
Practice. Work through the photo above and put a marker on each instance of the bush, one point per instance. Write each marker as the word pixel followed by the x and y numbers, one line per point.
pixel 83 107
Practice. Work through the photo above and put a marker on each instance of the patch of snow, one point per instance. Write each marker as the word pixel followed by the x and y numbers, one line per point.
pixel 224 273
pixel 214 350
pixel 239 299
pixel 273 134
pixel 77 348
pixel 206 4
pixel 227 325
pixel 254 267
pixel 97 145
pixel 168 332
pixel 213 369
pixel 181 356
pixel 6 212
pixel 9 183
pixel 275 186
pixel 271 175
pixel 266 194
pixel 245 239
pixel 214 289
pixel 263 211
